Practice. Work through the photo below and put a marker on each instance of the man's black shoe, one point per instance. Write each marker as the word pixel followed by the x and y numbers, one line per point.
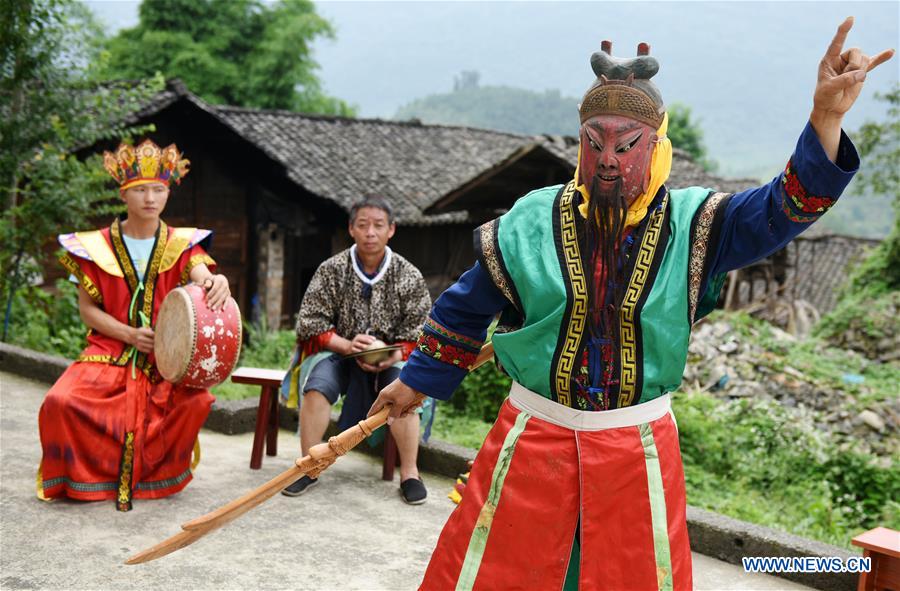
pixel 300 486
pixel 413 491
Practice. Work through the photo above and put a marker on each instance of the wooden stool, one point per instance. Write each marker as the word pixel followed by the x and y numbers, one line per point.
pixel 269 381
pixel 391 457
pixel 883 546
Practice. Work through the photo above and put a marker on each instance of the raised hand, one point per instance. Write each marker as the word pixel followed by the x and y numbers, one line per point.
pixel 841 77
pixel 842 73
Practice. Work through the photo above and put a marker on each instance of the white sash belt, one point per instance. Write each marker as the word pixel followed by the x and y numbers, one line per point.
pixel 581 420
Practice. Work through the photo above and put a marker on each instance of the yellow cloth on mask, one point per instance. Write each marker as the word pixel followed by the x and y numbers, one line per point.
pixel 660 167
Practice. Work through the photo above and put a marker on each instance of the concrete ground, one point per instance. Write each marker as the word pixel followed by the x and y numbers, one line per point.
pixel 351 532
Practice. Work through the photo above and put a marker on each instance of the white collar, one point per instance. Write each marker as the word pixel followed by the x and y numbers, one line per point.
pixel 384 266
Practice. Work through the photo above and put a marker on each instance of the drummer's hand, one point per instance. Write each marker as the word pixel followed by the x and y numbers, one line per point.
pixel 401 398
pixel 217 291
pixel 360 343
pixel 142 339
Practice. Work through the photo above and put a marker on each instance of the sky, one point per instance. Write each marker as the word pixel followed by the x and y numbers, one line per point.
pixel 747 69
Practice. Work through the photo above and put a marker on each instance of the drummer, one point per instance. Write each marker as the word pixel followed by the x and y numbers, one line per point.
pixel 360 295
pixel 110 427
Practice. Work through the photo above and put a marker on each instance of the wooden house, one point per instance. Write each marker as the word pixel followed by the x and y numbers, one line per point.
pixel 276 188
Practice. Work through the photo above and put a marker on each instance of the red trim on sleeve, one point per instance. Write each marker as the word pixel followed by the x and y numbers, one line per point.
pixel 798 204
pixel 408 348
pixel 315 344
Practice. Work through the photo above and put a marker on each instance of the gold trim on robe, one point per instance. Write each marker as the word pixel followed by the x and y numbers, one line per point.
pixel 178 242
pixel 96 247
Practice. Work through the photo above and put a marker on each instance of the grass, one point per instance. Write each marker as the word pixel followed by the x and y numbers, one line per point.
pixel 752 460
pixel 456 427
pixel 231 391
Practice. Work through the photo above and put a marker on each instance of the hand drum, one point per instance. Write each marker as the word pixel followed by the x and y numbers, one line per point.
pixel 193 345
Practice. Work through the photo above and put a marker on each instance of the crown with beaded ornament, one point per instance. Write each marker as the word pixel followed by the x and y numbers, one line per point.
pixel 148 163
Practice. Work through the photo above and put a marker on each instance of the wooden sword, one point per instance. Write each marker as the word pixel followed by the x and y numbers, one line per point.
pixel 320 457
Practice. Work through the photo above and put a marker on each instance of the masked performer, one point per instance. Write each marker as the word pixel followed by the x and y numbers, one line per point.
pixel 580 481
pixel 110 427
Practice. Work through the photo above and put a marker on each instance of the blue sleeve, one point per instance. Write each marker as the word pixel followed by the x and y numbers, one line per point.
pixel 453 334
pixel 760 221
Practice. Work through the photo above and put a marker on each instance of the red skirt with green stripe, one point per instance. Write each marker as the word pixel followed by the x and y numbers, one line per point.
pixel 108 435
pixel 535 485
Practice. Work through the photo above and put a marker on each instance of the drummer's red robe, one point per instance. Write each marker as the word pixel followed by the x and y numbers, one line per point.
pixel 110 427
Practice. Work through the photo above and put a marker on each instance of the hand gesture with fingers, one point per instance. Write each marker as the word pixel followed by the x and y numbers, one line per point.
pixel 841 74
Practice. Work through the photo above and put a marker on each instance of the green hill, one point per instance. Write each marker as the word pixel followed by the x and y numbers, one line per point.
pixel 503 108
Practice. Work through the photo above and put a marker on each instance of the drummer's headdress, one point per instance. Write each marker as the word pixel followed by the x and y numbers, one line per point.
pixel 623 87
pixel 148 163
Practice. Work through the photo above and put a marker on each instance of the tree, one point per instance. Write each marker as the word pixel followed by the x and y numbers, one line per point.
pixel 879 149
pixel 236 52
pixel 49 108
pixel 866 314
pixel 879 146
pixel 686 134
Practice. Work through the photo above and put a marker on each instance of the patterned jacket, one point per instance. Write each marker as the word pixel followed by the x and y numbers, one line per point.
pixel 334 301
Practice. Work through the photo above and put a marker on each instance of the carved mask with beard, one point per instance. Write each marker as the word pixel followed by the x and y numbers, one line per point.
pixel 615 167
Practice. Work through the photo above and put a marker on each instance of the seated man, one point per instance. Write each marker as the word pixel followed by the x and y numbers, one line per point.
pixel 363 294
pixel 110 427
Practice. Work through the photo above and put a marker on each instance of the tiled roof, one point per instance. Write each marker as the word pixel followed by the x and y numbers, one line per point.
pixel 343 159
pixel 819 264
pixel 687 173
pixel 411 163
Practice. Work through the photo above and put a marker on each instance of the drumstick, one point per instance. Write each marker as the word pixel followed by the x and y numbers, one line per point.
pixel 320 457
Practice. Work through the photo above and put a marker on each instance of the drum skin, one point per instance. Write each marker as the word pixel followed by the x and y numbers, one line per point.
pixel 195 346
